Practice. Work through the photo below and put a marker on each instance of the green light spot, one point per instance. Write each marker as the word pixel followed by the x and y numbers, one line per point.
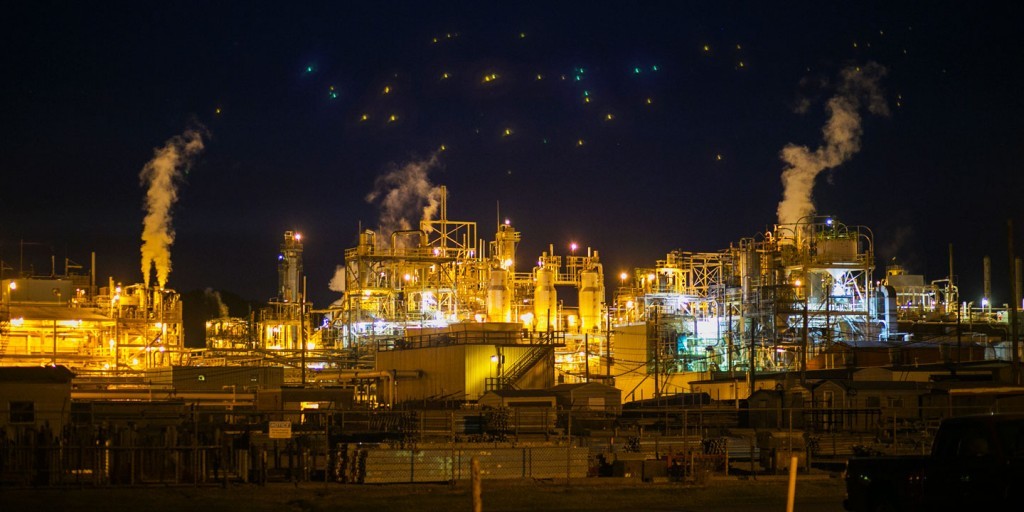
pixel 636 71
pixel 309 69
pixel 654 68
pixel 586 93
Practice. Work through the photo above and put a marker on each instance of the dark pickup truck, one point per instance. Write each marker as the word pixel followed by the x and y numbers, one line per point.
pixel 975 461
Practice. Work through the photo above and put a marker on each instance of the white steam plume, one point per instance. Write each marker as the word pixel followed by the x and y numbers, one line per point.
pixel 842 131
pixel 337 283
pixel 213 297
pixel 161 175
pixel 405 196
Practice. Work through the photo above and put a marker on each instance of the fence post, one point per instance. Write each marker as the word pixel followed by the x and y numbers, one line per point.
pixel 478 505
pixel 753 470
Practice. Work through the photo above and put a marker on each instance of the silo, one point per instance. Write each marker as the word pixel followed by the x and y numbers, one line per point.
pixel 545 300
pixel 498 307
pixel 591 297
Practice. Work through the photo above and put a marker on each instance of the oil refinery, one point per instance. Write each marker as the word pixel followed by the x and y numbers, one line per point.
pixel 439 314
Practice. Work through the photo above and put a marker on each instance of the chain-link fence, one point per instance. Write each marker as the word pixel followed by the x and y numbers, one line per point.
pixel 199 447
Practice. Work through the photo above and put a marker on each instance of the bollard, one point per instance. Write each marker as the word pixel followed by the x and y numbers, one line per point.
pixel 791 497
pixel 478 505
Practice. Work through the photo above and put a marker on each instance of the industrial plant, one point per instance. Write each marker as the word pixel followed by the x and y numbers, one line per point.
pixel 437 331
pixel 451 317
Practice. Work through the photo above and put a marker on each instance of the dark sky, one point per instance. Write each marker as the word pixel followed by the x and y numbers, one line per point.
pixel 89 89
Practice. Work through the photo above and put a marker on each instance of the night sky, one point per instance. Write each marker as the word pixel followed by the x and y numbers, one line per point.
pixel 634 128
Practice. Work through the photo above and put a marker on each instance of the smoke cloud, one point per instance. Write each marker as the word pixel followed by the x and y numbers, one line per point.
pixel 161 175
pixel 405 196
pixel 337 283
pixel 859 89
pixel 213 298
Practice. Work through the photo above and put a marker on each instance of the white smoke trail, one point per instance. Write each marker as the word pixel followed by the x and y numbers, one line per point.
pixel 403 194
pixel 842 132
pixel 213 297
pixel 162 174
pixel 337 283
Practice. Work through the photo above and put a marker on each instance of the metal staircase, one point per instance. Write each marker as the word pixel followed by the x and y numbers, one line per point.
pixel 524 364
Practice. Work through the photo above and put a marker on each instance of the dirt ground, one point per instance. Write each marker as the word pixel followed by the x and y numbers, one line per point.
pixel 720 495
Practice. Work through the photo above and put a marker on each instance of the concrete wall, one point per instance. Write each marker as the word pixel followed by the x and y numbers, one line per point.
pixel 51 403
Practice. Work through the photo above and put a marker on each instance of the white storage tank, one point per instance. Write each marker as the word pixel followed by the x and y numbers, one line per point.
pixel 591 297
pixel 545 300
pixel 498 307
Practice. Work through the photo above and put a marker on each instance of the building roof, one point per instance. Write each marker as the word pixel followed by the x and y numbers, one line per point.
pixel 578 385
pixel 57 313
pixel 36 374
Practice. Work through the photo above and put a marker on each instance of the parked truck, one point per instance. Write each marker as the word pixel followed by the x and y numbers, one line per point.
pixel 974 461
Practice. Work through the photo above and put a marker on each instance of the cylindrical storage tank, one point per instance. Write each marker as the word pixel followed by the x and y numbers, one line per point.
pixel 498 307
pixel 545 300
pixel 591 297
pixel 367 240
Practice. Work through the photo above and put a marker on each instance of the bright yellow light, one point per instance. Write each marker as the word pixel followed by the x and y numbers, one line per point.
pixel 798 283
pixel 310 346
pixel 508 131
pixel 387 89
pixel 707 48
pixel 540 76
pixel 649 101
pixel 392 118
pixel 650 277
pixel 572 320
pixel 479 318
pixel 579 142
pixel 364 117
pixel 18 322
pixel 623 276
pixel 407 277
pixel 505 264
pixel 298 237
pixel 444 76
pixel 609 117
pixel 13 285
pixel 629 304
pixel 443 147
pixel 135 361
pixel 586 100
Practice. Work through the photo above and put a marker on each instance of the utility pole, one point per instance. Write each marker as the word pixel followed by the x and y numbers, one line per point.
pixel 608 346
pixel 1015 367
pixel 958 340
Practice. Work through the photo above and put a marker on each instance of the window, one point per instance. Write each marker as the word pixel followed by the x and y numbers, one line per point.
pixel 23 412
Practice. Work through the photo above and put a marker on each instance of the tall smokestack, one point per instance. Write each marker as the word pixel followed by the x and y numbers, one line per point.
pixel 986 296
pixel 1019 290
pixel 161 175
pixel 842 131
